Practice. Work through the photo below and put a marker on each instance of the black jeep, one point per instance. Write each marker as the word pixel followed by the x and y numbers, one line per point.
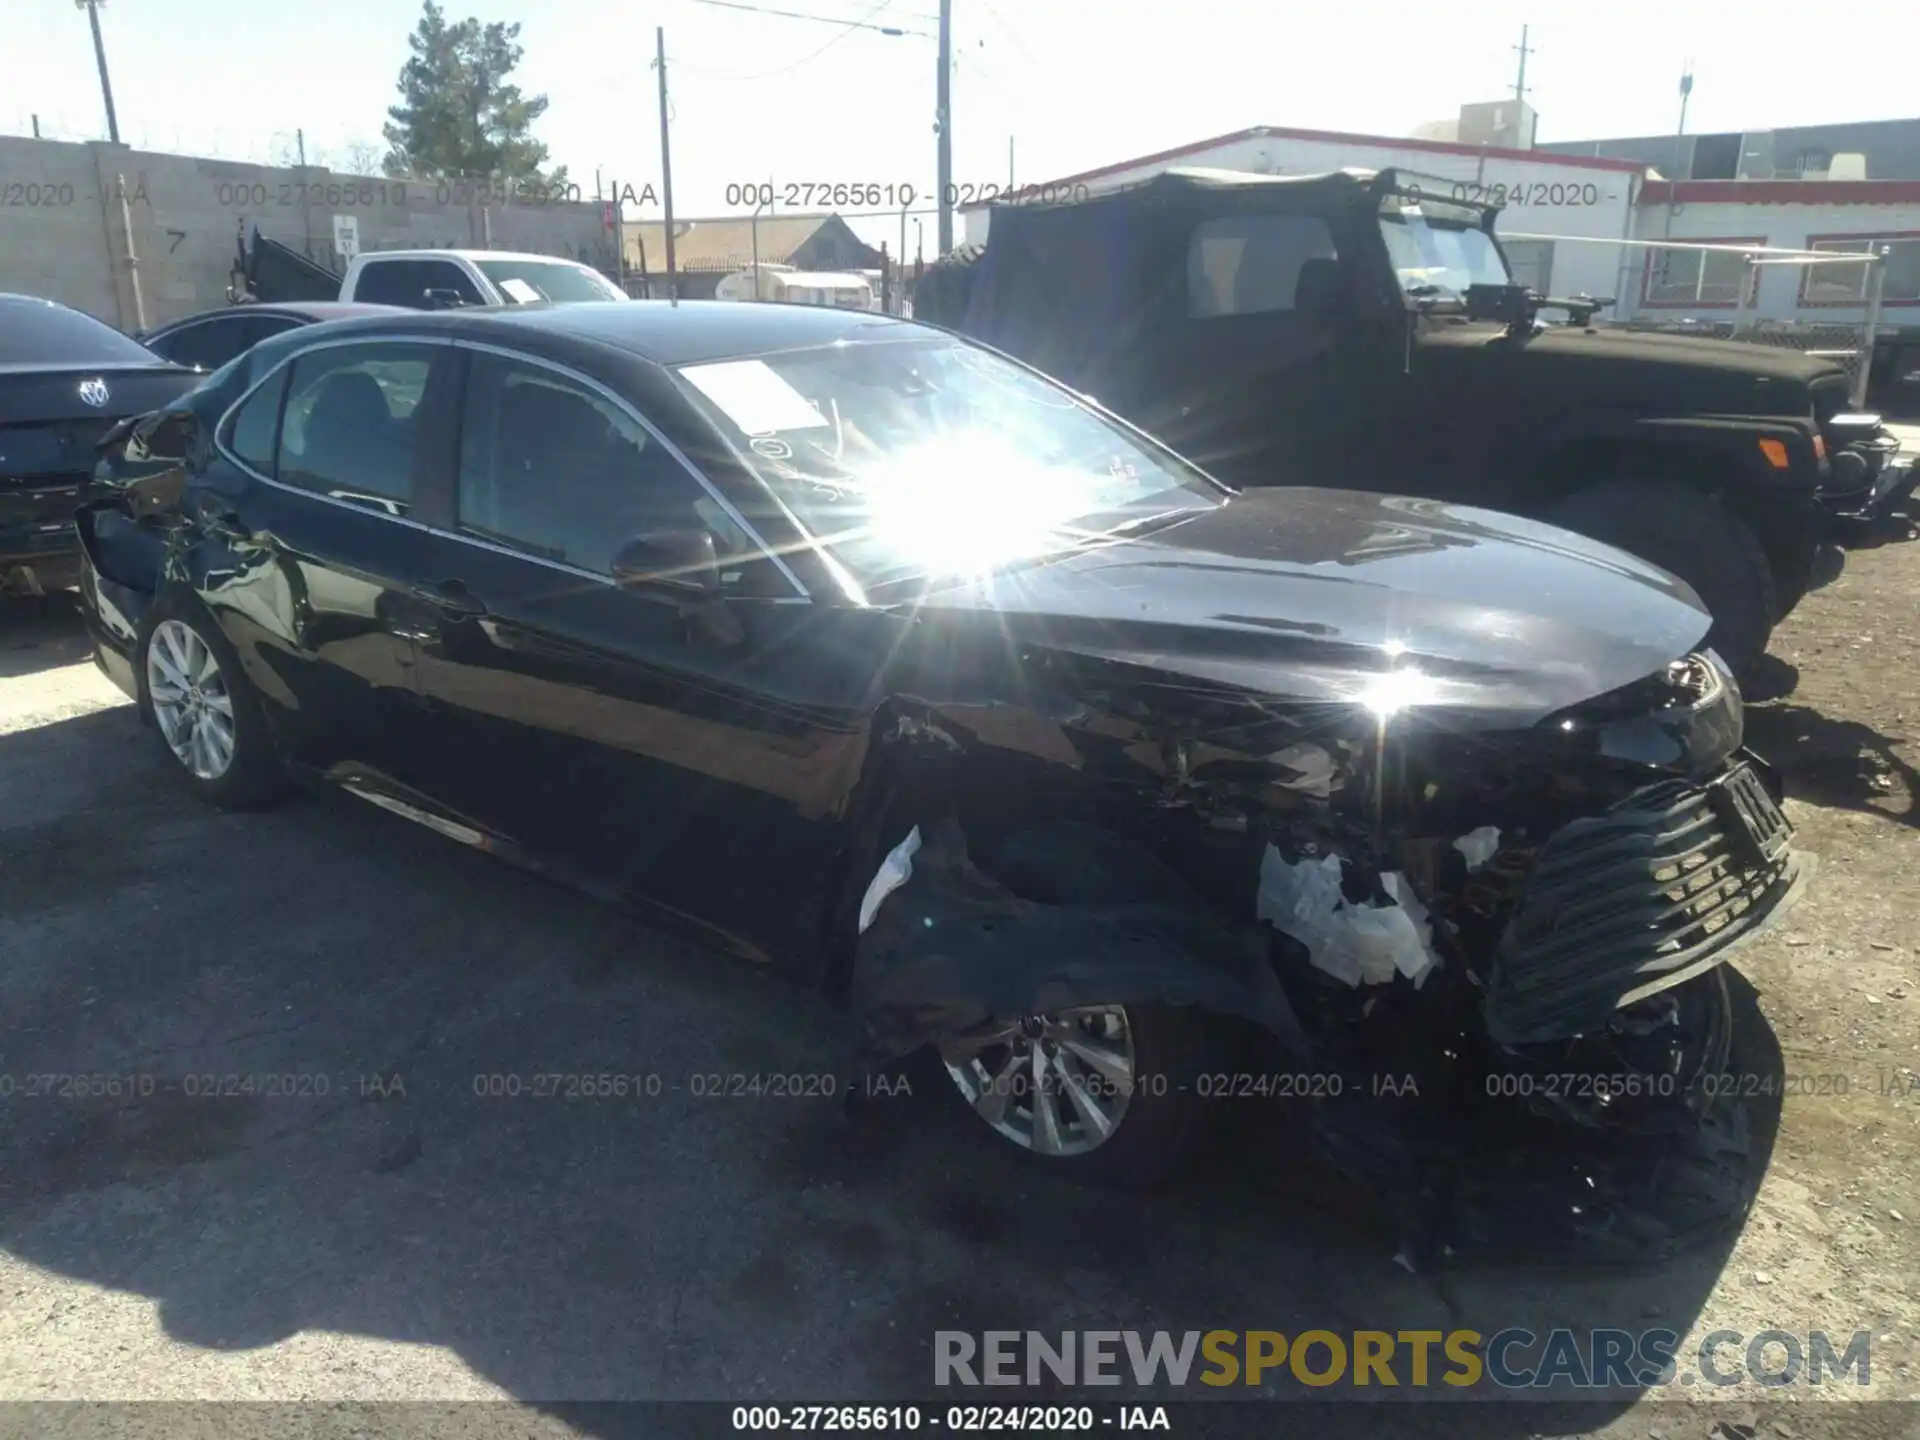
pixel 1362 329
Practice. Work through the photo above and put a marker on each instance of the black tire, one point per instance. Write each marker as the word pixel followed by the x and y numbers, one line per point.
pixel 256 775
pixel 1164 1119
pixel 946 289
pixel 1698 539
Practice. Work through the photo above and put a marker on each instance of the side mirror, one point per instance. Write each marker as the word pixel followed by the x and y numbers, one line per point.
pixel 443 299
pixel 168 435
pixel 679 562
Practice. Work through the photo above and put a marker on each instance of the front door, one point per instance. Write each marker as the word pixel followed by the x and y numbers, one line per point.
pixel 308 554
pixel 636 742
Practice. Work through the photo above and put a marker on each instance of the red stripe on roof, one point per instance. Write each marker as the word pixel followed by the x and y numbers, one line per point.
pixel 1338 137
pixel 1781 192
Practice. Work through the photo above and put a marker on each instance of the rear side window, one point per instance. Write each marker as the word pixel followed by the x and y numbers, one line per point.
pixel 1250 264
pixel 349 424
pixel 255 425
pixel 406 282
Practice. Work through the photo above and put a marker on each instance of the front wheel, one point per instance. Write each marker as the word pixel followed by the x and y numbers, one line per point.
pixel 1695 537
pixel 1104 1093
pixel 197 698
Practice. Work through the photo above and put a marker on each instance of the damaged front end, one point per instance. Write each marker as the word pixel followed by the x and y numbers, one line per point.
pixel 1532 913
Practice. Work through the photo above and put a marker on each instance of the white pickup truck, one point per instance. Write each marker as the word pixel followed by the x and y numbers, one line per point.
pixel 447 279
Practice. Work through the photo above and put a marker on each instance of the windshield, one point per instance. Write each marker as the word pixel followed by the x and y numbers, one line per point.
pixel 926 457
pixel 44 335
pixel 528 282
pixel 1437 258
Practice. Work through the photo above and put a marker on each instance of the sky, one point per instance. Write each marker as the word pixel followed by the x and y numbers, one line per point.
pixel 1071 83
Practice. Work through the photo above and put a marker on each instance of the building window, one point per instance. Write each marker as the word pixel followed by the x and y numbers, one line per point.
pixel 1690 278
pixel 1847 284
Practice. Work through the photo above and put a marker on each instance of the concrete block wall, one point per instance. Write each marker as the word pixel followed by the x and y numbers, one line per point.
pixel 64 228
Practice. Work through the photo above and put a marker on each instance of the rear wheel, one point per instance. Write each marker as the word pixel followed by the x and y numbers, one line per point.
pixel 197 697
pixel 1697 538
pixel 1104 1093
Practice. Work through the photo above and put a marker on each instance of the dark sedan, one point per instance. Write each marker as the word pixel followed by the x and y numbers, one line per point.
pixel 65 378
pixel 874 655
pixel 209 340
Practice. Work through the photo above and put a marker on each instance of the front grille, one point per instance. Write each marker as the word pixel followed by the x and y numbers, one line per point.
pixel 1623 904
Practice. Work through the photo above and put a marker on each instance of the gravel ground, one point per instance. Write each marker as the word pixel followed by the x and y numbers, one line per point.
pixel 400 1237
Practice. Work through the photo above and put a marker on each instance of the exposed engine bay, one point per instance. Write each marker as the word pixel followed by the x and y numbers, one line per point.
pixel 1534 916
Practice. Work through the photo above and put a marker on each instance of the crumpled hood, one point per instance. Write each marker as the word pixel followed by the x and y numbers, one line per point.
pixel 1311 595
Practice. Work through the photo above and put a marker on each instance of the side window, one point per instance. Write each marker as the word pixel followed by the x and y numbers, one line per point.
pixel 1251 264
pixel 204 345
pixel 559 471
pixel 445 275
pixel 390 282
pixel 349 423
pixel 254 429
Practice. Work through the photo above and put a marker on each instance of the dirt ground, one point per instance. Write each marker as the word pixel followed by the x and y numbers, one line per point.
pixel 435 1247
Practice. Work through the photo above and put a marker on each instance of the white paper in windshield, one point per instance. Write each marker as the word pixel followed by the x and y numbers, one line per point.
pixel 518 289
pixel 752 395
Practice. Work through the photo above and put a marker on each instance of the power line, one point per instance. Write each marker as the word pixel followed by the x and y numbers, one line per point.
pixel 847 28
pixel 860 24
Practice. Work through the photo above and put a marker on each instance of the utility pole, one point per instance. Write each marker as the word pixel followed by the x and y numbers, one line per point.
pixel 943 126
pixel 666 156
pixel 306 210
pixel 1520 83
pixel 1686 89
pixel 92 7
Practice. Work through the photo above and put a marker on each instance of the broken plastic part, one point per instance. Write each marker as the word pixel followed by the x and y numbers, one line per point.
pixel 894 872
pixel 1314 767
pixel 1478 846
pixel 1352 943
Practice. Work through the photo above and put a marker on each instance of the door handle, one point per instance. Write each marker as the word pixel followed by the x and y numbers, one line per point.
pixel 450 596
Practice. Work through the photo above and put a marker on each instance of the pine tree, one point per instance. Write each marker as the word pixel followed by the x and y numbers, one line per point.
pixel 459 116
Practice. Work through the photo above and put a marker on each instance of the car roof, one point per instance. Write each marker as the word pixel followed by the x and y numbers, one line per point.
pixel 315 310
pixel 662 331
pixel 469 255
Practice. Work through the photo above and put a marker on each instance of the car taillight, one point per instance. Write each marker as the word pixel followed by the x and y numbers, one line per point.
pixel 1819 447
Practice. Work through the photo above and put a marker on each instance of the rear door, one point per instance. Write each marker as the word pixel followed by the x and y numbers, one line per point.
pixel 311 553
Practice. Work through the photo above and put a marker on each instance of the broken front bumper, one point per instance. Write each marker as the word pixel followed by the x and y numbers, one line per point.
pixel 1660 888
pixel 1868 481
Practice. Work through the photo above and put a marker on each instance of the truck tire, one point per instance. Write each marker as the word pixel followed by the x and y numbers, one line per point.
pixel 944 291
pixel 1698 539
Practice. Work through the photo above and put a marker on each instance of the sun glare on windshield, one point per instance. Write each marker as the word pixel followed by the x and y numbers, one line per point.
pixel 970 502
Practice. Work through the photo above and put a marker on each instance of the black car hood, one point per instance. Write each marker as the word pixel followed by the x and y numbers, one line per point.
pixel 1310 595
pixel 1668 373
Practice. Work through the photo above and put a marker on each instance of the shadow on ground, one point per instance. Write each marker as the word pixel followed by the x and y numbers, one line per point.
pixel 1838 764
pixel 330 1029
pixel 40 634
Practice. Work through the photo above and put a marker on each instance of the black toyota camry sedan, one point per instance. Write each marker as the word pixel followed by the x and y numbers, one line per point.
pixel 65 378
pixel 873 655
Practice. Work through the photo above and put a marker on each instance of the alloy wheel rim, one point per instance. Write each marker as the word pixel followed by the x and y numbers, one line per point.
pixel 1055 1084
pixel 190 700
